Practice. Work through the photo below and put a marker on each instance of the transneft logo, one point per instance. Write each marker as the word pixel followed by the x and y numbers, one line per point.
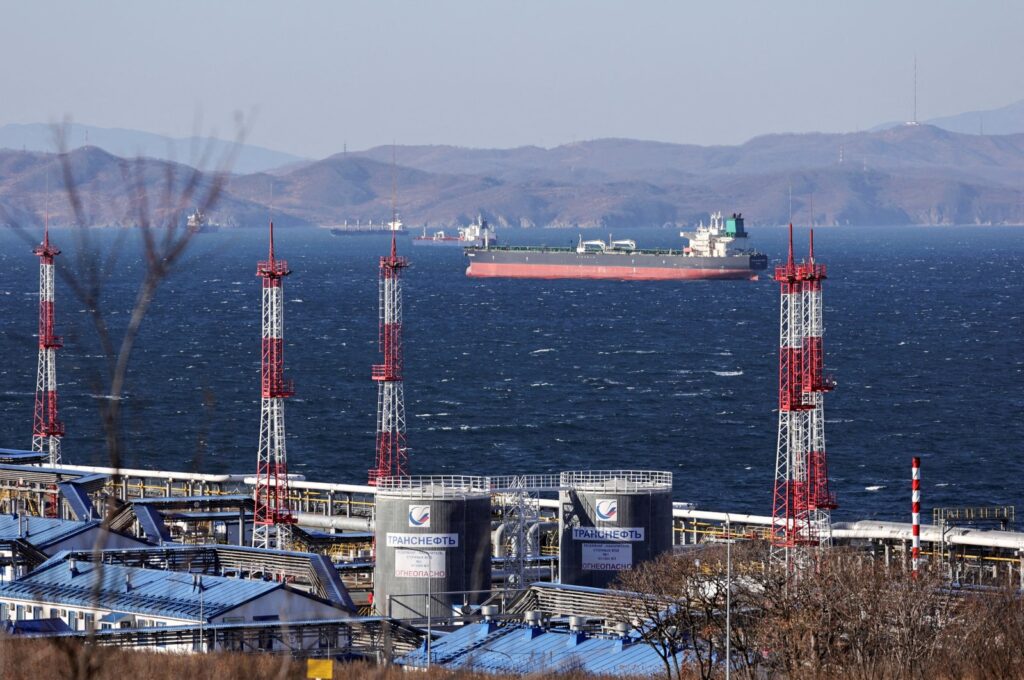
pixel 419 516
pixel 423 540
pixel 608 534
pixel 607 509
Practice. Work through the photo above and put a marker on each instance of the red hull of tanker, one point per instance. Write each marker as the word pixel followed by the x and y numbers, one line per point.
pixel 553 271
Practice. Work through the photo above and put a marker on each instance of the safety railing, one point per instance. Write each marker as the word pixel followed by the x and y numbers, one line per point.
pixel 432 485
pixel 617 480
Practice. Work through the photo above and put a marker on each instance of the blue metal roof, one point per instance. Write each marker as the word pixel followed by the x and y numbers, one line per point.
pixel 41 531
pixel 68 472
pixel 76 493
pixel 153 592
pixel 516 648
pixel 23 457
pixel 152 524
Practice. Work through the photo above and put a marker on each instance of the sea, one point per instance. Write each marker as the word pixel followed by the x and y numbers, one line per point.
pixel 924 338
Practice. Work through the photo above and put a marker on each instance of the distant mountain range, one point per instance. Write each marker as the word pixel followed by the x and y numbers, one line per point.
pixel 910 174
pixel 132 143
pixel 100 178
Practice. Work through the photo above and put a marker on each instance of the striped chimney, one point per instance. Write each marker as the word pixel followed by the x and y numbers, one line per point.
pixel 915 514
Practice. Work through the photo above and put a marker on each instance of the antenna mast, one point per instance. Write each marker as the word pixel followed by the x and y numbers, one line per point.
pixel 392 452
pixel 273 516
pixel 821 501
pixel 802 500
pixel 47 429
pixel 915 89
pixel 790 530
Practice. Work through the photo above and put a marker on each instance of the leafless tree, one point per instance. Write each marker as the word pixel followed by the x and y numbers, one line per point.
pixel 852 617
pixel 158 218
pixel 675 608
pixel 847 617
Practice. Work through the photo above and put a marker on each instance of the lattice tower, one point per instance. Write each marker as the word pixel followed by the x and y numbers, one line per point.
pixel 821 501
pixel 792 532
pixel 392 458
pixel 273 517
pixel 47 429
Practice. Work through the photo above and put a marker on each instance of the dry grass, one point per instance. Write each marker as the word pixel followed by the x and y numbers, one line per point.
pixel 42 659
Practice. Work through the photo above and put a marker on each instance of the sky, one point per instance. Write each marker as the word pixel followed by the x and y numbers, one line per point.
pixel 312 77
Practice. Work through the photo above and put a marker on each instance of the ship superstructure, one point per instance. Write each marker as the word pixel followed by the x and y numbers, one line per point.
pixel 715 239
pixel 394 226
pixel 198 222
pixel 478 233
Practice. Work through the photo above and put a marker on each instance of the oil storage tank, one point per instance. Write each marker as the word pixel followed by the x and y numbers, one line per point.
pixel 611 520
pixel 433 540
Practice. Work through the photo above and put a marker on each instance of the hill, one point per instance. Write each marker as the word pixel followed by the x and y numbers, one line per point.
pixel 1005 120
pixel 132 143
pixel 99 176
pixel 904 175
pixel 900 149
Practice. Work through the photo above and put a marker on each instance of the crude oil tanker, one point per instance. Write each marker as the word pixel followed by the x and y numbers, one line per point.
pixel 709 256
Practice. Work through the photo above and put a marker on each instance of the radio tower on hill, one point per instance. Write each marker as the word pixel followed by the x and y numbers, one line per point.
pixel 273 517
pixel 47 429
pixel 391 443
pixel 792 531
pixel 815 384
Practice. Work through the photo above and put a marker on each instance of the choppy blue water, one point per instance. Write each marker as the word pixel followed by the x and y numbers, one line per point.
pixel 924 334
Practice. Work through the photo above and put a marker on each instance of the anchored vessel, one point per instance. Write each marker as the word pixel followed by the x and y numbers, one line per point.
pixel 709 256
pixel 477 234
pixel 199 223
pixel 393 227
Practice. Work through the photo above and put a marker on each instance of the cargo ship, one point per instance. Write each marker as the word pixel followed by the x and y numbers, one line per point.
pixel 199 223
pixel 709 255
pixel 477 234
pixel 369 229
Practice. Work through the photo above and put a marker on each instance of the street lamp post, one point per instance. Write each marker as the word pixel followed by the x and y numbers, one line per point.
pixel 728 596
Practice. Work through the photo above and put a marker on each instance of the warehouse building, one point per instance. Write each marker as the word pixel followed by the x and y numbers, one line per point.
pixel 103 596
pixel 26 541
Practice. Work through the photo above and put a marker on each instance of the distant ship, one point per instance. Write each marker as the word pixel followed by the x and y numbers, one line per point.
pixel 709 256
pixel 478 233
pixel 369 229
pixel 199 223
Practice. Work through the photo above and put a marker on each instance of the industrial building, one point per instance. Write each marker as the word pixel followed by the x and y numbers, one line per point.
pixel 536 646
pixel 547 629
pixel 102 595
pixel 26 541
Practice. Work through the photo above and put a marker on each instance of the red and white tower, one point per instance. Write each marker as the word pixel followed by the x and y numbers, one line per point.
pixel 815 384
pixel 792 530
pixel 915 515
pixel 47 429
pixel 391 442
pixel 273 517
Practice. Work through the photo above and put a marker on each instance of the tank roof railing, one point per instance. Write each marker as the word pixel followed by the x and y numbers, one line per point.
pixel 506 483
pixel 437 486
pixel 598 480
pixel 617 480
